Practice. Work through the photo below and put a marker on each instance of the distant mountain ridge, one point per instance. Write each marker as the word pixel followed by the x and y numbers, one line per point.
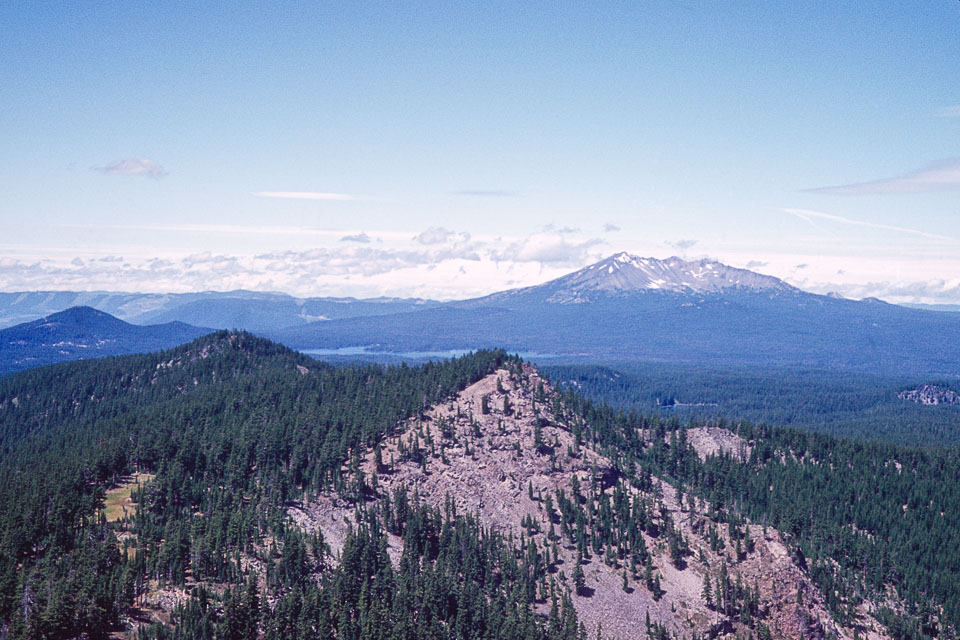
pixel 623 308
pixel 624 274
pixel 81 333
pixel 251 310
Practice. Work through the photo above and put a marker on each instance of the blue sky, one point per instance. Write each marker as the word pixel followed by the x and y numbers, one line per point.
pixel 445 149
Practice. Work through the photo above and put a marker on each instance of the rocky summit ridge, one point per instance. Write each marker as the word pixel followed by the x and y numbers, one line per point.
pixel 506 449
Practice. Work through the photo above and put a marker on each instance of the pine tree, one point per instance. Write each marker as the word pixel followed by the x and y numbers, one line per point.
pixel 579 579
pixel 707 592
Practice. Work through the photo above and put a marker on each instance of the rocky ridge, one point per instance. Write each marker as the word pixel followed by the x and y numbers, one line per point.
pixel 930 394
pixel 506 443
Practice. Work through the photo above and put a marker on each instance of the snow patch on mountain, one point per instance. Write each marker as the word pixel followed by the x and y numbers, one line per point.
pixel 624 273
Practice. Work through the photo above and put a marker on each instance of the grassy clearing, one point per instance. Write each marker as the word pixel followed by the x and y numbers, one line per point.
pixel 118 503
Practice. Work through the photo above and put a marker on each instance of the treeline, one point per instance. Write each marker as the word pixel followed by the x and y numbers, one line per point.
pixel 868 519
pixel 232 426
pixel 841 403
pixel 454 579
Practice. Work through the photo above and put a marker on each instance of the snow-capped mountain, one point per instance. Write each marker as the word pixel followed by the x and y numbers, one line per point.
pixel 624 274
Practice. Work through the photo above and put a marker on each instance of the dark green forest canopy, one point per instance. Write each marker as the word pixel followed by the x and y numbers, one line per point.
pixel 235 428
pixel 887 515
pixel 849 404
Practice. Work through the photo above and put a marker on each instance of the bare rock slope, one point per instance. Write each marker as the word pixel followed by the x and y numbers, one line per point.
pixel 507 450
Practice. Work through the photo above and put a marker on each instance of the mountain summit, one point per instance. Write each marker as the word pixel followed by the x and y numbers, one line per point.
pixel 624 274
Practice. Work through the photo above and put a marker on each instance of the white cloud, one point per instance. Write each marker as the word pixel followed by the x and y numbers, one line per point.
pixel 434 235
pixel 808 215
pixel 361 237
pixel 610 227
pixel 548 248
pixel 440 235
pixel 305 195
pixel 134 167
pixel 938 176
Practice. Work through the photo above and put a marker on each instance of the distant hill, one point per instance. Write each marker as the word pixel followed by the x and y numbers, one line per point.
pixel 274 312
pixel 251 310
pixel 933 307
pixel 81 333
pixel 631 308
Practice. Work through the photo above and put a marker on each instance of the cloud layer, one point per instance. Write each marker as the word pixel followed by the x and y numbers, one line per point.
pixel 436 263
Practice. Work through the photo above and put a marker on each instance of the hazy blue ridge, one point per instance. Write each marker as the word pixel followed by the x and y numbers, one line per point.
pixel 82 333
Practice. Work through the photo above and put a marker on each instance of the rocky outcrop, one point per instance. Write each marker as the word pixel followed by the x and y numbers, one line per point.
pixel 506 442
pixel 930 394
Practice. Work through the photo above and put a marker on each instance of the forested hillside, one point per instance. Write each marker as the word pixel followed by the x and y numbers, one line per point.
pixel 870 520
pixel 154 496
pixel 868 406
pixel 232 426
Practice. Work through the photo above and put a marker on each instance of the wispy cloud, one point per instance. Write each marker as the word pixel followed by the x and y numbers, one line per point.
pixel 552 228
pixel 952 111
pixel 361 237
pixel 305 195
pixel 134 167
pixel 610 227
pixel 938 176
pixel 682 244
pixel 810 216
pixel 487 193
